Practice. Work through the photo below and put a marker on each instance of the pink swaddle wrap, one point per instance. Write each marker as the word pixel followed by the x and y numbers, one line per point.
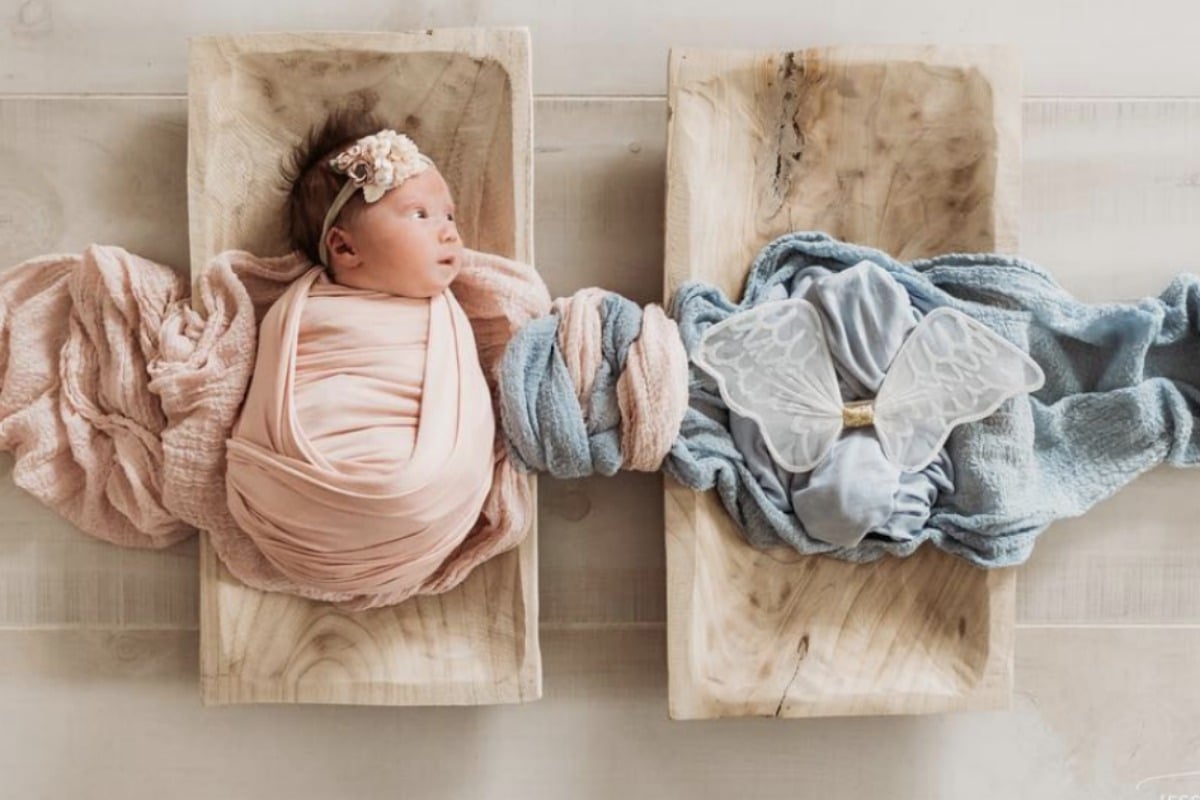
pixel 364 450
pixel 118 395
pixel 117 399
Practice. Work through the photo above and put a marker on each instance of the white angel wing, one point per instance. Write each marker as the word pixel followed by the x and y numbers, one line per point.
pixel 773 365
pixel 949 371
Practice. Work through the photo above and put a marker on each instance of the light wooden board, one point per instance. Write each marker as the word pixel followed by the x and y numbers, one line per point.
pixel 1109 200
pixel 464 96
pixel 118 175
pixel 1096 712
pixel 617 47
pixel 915 151
pixel 1094 173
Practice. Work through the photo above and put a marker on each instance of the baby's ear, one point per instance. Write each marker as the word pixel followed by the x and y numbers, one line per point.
pixel 341 249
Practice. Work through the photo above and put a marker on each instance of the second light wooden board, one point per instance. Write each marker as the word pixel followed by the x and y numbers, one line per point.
pixel 914 150
pixel 464 95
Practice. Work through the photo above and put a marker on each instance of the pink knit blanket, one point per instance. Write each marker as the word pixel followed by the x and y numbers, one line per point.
pixel 118 392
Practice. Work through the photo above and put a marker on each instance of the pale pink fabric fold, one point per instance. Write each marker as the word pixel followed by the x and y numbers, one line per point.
pixel 118 397
pixel 85 339
pixel 363 453
pixel 580 331
pixel 652 390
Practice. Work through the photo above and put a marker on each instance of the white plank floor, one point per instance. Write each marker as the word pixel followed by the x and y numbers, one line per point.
pixel 104 714
pixel 98 645
pixel 1072 48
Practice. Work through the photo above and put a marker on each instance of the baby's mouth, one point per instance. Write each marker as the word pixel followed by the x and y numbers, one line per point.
pixel 448 261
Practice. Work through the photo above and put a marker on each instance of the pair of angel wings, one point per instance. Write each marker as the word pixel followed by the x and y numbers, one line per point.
pixel 772 364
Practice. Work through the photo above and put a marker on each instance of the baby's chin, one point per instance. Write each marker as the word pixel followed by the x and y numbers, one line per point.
pixel 447 272
pixel 432 286
pixel 435 280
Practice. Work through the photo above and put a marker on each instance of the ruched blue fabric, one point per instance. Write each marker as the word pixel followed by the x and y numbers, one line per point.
pixel 1122 395
pixel 544 425
pixel 855 490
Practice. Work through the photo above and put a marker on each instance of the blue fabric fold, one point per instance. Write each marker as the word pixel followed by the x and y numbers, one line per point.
pixel 544 425
pixel 855 490
pixel 1122 395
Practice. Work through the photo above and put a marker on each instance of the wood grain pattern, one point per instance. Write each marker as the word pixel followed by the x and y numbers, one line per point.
pixel 1095 174
pixel 617 47
pixel 464 97
pixel 1110 202
pixel 915 151
pixel 1095 712
pixel 1111 193
pixel 75 172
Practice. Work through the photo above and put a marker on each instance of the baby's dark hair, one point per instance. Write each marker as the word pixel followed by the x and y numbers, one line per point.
pixel 312 185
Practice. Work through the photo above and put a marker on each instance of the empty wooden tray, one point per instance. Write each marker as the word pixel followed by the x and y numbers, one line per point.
pixel 465 95
pixel 914 150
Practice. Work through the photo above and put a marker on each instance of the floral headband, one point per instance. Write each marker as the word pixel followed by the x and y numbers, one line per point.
pixel 374 163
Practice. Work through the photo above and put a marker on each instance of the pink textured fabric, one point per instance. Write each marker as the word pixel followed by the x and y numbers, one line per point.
pixel 579 339
pixel 117 399
pixel 352 466
pixel 652 390
pixel 116 395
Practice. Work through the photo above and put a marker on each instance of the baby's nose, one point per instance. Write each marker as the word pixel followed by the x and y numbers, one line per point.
pixel 449 232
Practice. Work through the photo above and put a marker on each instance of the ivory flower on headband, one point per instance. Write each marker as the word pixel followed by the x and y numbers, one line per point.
pixel 374 163
pixel 380 162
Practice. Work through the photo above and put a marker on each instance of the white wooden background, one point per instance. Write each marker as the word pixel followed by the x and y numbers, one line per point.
pixel 98 656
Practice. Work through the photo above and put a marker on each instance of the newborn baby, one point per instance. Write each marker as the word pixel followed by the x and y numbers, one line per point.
pixel 364 450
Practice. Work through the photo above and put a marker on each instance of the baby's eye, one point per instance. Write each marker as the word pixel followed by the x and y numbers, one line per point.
pixel 419 213
pixel 450 216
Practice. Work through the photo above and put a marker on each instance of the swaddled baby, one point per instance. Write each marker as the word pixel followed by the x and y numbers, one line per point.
pixel 363 453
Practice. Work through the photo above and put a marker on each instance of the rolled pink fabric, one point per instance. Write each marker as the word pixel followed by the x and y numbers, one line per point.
pixel 652 392
pixel 363 455
pixel 580 331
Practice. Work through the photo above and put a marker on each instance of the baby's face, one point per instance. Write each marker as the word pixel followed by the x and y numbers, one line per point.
pixel 406 243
